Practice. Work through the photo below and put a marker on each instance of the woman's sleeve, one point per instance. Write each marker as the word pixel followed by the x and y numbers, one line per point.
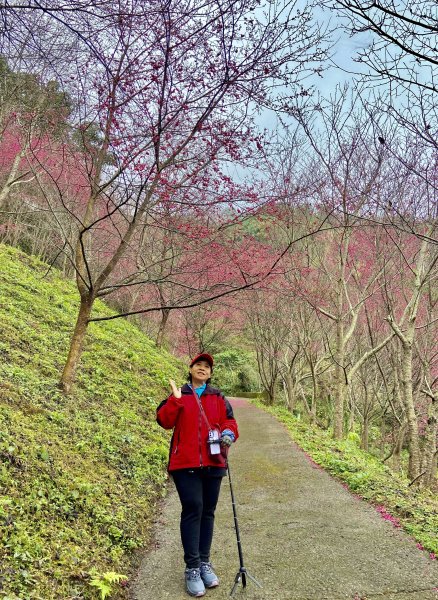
pixel 167 412
pixel 229 422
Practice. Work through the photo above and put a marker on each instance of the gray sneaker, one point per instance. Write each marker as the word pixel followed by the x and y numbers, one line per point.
pixel 208 576
pixel 194 584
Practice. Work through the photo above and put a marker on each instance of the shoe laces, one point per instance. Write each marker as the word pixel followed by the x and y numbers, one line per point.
pixel 193 574
pixel 206 568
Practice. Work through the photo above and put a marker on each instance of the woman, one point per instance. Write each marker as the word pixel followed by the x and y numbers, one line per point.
pixel 193 411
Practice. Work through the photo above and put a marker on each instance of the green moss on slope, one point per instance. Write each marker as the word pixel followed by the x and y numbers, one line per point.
pixel 79 475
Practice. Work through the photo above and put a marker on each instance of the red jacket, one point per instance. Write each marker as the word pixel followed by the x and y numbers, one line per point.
pixel 188 447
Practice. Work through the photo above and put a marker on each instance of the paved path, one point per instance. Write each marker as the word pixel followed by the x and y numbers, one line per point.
pixel 304 536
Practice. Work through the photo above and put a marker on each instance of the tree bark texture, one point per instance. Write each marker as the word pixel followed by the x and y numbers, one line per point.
pixel 341 384
pixel 76 344
pixel 162 328
pixel 408 399
pixel 428 463
pixel 5 191
pixel 290 391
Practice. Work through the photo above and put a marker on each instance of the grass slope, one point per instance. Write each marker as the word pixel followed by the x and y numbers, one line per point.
pixel 363 474
pixel 79 475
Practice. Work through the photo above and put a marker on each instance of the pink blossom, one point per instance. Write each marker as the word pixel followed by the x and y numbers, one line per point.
pixel 388 517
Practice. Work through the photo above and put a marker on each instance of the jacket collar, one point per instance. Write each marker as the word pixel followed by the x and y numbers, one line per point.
pixel 186 389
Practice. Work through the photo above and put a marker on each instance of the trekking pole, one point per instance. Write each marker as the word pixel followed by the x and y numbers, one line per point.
pixel 242 573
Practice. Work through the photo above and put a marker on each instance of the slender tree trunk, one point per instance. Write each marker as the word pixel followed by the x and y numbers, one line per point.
pixel 270 385
pixel 271 395
pixel 16 230
pixel 77 343
pixel 269 388
pixel 434 470
pixel 365 429
pixel 307 408
pixel 408 398
pixel 340 398
pixel 290 390
pixel 398 446
pixel 341 384
pixel 352 415
pixel 315 392
pixel 313 409
pixel 83 242
pixel 428 463
pixel 364 438
pixel 405 331
pixel 4 192
pixel 341 335
pixel 160 335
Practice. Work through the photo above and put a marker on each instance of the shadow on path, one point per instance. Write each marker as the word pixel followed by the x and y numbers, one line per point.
pixel 304 536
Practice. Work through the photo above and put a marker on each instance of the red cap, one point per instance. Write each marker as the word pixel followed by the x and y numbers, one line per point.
pixel 203 356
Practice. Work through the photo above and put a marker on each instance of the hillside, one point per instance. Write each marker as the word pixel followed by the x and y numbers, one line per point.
pixel 79 475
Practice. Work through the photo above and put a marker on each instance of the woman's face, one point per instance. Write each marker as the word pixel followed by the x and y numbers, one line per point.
pixel 200 371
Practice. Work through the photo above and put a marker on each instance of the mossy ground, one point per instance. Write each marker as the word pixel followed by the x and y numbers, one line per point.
pixel 79 474
pixel 413 509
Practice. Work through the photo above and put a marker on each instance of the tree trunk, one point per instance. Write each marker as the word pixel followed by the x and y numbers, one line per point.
pixel 405 331
pixel 338 418
pixel 315 392
pixel 428 463
pixel 4 192
pixel 434 483
pixel 364 437
pixel 408 399
pixel 76 343
pixel 270 391
pixel 398 446
pixel 160 335
pixel 341 384
pixel 271 397
pixel 365 429
pixel 290 390
pixel 352 415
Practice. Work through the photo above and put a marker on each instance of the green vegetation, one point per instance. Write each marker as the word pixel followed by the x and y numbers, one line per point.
pixel 79 475
pixel 41 106
pixel 365 475
pixel 235 372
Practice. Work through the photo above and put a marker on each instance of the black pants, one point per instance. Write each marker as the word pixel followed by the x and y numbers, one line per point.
pixel 198 492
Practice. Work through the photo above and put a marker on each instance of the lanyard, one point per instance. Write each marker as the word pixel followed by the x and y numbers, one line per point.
pixel 201 408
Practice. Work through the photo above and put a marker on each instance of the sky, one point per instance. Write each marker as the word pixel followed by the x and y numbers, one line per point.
pixel 341 69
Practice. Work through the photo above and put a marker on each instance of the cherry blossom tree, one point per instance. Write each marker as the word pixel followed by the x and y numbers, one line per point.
pixel 405 306
pixel 350 168
pixel 170 89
